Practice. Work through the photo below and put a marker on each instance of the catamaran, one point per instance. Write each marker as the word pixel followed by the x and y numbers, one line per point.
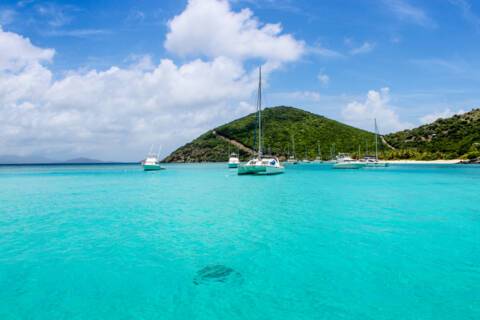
pixel 233 161
pixel 152 161
pixel 261 164
pixel 373 161
pixel 344 161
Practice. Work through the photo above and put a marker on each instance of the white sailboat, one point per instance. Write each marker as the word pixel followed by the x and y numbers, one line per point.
pixel 332 154
pixel 233 161
pixel 318 159
pixel 372 162
pixel 344 161
pixel 291 159
pixel 152 161
pixel 305 159
pixel 261 164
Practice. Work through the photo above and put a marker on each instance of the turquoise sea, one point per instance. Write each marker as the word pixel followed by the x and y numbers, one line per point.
pixel 199 242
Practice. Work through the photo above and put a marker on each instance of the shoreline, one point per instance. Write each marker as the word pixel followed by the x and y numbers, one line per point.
pixel 454 161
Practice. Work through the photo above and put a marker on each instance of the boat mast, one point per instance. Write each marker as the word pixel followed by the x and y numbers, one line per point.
pixel 376 138
pixel 259 110
pixel 293 145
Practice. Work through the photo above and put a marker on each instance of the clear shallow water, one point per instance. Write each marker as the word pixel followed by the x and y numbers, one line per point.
pixel 114 242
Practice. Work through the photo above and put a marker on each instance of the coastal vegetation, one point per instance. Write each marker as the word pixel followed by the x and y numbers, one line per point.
pixel 286 131
pixel 291 131
pixel 206 148
pixel 449 138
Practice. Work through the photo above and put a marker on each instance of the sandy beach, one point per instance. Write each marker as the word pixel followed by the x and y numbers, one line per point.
pixel 454 161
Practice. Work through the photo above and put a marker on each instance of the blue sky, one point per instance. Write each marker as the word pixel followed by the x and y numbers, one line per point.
pixel 405 62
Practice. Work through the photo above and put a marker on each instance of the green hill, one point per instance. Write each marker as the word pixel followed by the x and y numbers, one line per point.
pixel 450 138
pixel 280 126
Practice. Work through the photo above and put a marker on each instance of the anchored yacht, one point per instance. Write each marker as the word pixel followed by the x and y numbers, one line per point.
pixel 152 161
pixel 233 161
pixel 292 160
pixel 261 164
pixel 344 161
pixel 371 161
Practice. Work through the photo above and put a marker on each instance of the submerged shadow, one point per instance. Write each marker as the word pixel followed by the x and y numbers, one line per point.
pixel 217 273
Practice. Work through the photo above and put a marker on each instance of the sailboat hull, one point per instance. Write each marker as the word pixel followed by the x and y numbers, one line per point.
pixel 152 167
pixel 260 170
pixel 346 165
pixel 260 165
pixel 376 164
pixel 233 165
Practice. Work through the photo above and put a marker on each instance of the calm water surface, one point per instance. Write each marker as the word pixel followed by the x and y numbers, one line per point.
pixel 114 242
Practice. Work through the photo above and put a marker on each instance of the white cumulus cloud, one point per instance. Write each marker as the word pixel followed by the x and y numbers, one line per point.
pixel 446 113
pixel 17 52
pixel 211 28
pixel 375 106
pixel 119 112
pixel 115 114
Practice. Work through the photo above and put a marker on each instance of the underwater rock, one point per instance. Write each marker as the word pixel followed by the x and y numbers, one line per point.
pixel 217 273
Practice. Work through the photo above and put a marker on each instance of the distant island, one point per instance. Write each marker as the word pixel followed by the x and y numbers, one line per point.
pixel 32 159
pixel 292 131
